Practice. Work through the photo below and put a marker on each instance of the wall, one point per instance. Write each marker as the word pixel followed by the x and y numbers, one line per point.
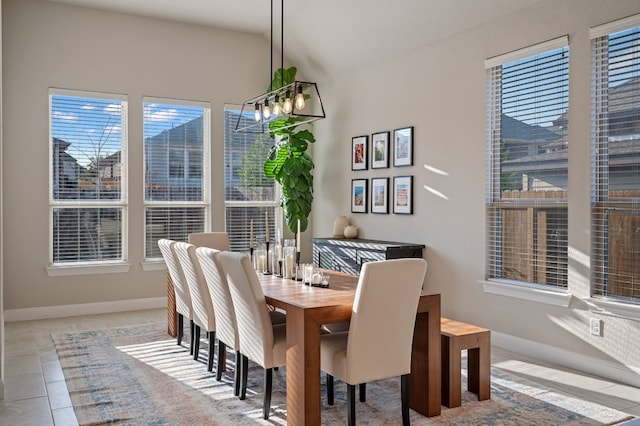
pixel 440 89
pixel 53 45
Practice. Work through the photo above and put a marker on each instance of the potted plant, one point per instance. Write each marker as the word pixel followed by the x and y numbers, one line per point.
pixel 288 162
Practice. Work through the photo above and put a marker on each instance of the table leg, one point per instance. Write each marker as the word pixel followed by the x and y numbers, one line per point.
pixel 303 368
pixel 172 315
pixel 425 378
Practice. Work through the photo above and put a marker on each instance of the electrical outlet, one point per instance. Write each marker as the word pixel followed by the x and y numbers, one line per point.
pixel 595 325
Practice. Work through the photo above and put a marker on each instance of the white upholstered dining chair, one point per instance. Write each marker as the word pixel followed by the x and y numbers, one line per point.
pixel 385 305
pixel 260 340
pixel 203 315
pixel 180 288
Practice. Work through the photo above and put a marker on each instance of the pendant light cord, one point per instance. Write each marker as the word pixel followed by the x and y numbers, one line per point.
pixel 271 38
pixel 281 43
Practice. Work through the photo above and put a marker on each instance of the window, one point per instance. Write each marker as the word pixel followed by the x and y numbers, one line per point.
pixel 88 177
pixel 527 165
pixel 176 178
pixel 616 158
pixel 249 194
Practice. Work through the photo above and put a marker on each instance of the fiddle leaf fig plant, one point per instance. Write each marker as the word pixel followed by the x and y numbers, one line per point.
pixel 288 162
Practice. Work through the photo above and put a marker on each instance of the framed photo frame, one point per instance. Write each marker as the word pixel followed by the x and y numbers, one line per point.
pixel 403 147
pixel 380 150
pixel 380 195
pixel 359 152
pixel 403 195
pixel 358 195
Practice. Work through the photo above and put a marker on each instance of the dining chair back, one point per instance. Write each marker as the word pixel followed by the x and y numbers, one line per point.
pixel 203 315
pixel 180 287
pixel 226 326
pixel 216 240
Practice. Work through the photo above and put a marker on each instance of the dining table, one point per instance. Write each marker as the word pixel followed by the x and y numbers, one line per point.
pixel 308 308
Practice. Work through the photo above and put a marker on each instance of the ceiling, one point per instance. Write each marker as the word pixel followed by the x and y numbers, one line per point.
pixel 328 36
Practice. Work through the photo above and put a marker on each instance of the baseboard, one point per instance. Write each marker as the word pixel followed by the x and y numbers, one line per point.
pixel 45 312
pixel 626 374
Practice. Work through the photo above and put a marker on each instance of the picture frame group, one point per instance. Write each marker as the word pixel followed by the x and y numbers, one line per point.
pixel 400 194
pixel 378 195
pixel 380 149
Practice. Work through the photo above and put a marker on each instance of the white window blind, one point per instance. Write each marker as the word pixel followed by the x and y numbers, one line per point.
pixel 527 162
pixel 616 159
pixel 88 176
pixel 250 197
pixel 176 178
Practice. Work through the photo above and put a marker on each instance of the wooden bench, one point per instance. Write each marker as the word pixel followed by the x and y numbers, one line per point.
pixel 455 337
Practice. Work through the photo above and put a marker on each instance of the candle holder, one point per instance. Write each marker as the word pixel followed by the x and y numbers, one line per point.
pixel 298 273
pixel 268 271
pixel 280 269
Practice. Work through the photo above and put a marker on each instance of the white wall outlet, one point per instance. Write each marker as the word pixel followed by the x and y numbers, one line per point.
pixel 595 326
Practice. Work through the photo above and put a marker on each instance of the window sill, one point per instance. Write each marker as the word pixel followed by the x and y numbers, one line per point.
pixel 88 269
pixel 531 293
pixel 153 265
pixel 613 308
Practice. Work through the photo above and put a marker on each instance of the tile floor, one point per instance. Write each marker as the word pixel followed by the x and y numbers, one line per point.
pixel 36 393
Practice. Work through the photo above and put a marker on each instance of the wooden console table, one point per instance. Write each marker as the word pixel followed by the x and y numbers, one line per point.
pixel 348 255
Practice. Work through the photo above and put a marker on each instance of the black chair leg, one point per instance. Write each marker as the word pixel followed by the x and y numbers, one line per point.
pixel 404 392
pixel 351 405
pixel 180 328
pixel 363 392
pixel 196 342
pixel 268 384
pixel 237 374
pixel 191 331
pixel 212 341
pixel 329 389
pixel 244 372
pixel 222 360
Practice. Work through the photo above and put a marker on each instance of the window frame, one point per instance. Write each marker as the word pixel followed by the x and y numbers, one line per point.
pixel 93 266
pixel 603 204
pixel 276 221
pixel 495 202
pixel 205 202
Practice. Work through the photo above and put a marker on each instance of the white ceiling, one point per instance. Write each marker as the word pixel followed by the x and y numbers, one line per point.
pixel 328 36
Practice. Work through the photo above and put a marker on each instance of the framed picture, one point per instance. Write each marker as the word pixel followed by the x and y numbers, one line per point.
pixel 403 194
pixel 380 150
pixel 359 195
pixel 359 152
pixel 380 195
pixel 403 147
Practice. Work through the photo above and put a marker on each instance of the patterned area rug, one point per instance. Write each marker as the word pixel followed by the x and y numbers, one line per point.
pixel 139 376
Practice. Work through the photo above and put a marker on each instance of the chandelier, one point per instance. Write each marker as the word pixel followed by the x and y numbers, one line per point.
pixel 291 104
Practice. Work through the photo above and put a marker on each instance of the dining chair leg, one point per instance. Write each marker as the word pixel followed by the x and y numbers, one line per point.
pixel 192 327
pixel 222 360
pixel 244 372
pixel 180 328
pixel 268 384
pixel 212 341
pixel 404 392
pixel 329 389
pixel 237 374
pixel 351 405
pixel 196 342
pixel 363 392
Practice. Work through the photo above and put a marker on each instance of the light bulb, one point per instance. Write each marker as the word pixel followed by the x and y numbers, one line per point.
pixel 256 114
pixel 266 111
pixel 299 98
pixel 277 110
pixel 288 106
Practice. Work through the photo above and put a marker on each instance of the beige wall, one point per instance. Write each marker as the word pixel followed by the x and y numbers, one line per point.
pixel 441 90
pixel 53 45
